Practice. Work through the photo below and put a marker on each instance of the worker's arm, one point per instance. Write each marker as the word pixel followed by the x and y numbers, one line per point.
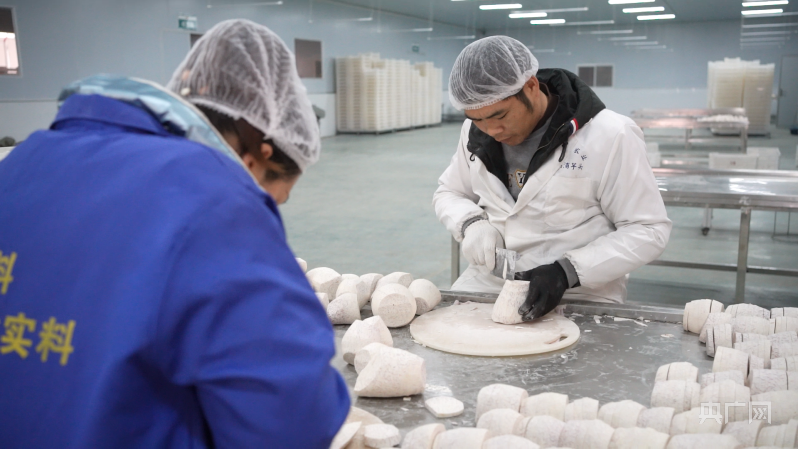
pixel 630 198
pixel 454 201
pixel 242 327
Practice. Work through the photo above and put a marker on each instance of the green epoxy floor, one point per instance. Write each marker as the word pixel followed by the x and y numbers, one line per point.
pixel 367 207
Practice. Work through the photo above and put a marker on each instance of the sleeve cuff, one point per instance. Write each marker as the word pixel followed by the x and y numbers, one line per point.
pixel 469 221
pixel 570 272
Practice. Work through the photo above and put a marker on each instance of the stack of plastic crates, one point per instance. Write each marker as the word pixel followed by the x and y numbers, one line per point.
pixel 757 97
pixel 734 83
pixel 376 95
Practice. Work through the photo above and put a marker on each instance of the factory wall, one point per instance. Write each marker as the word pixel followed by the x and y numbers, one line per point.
pixel 62 41
pixel 673 77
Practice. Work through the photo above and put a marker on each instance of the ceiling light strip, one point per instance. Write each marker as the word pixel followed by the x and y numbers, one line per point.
pixel 501 6
pixel 768 3
pixel 766 33
pixel 628 2
pixel 546 21
pixel 646 9
pixel 627 38
pixel 657 17
pixel 606 32
pixel 639 43
pixel 595 22
pixel 527 15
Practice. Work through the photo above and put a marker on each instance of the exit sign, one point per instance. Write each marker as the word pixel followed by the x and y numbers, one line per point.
pixel 187 22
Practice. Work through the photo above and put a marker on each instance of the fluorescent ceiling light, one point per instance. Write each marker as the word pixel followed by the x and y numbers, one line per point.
pixel 413 30
pixel 653 47
pixel 546 21
pixel 771 25
pixel 766 33
pixel 764 39
pixel 502 6
pixel 444 38
pixel 628 2
pixel 657 17
pixel 762 11
pixel 595 22
pixel 607 32
pixel 768 3
pixel 628 38
pixel 527 15
pixel 640 43
pixel 7 36
pixel 232 5
pixel 581 8
pixel 647 9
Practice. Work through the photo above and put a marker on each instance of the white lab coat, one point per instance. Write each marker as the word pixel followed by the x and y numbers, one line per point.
pixel 600 208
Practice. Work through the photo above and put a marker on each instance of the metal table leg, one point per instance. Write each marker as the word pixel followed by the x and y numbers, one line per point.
pixel 742 254
pixel 455 260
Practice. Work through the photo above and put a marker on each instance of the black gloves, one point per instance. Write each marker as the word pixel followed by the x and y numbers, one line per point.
pixel 547 284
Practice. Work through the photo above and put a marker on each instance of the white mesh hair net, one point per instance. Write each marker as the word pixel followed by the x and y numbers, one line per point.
pixel 244 70
pixel 490 70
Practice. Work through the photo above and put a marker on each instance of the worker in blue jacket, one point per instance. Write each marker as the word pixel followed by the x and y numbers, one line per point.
pixel 148 296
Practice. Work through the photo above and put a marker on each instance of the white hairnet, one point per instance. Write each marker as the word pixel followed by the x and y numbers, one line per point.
pixel 244 70
pixel 490 70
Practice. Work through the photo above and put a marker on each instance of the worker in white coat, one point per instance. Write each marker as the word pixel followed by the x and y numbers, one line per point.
pixel 544 169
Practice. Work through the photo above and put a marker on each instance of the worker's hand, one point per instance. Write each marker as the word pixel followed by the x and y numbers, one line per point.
pixel 480 242
pixel 547 284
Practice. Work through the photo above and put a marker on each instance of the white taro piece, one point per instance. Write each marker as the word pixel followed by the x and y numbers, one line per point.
pixel 744 309
pixel 364 418
pixel 371 279
pixel 657 418
pixel 759 348
pixel 703 441
pixel 783 337
pixel 422 437
pixel 635 438
pixel 719 336
pixel 365 354
pixel 764 380
pixel 586 434
pixel 581 409
pixel 362 333
pixel 784 311
pixel 392 373
pixel 509 442
pixel 785 363
pixel 427 295
pixel 502 421
pixel 395 304
pixel 740 337
pixel 745 431
pixel 752 324
pixel 680 395
pixel 689 422
pixel 512 296
pixel 713 319
pixel 677 371
pixel 783 435
pixel 324 280
pixel 784 324
pixel 345 435
pixel 356 287
pixel 302 264
pixel 349 276
pixel 499 396
pixel 544 430
pixel 396 277
pixel 783 405
pixel 727 359
pixel 323 299
pixel 696 313
pixel 711 378
pixel 786 349
pixel 727 392
pixel 462 438
pixel 444 406
pixel 621 414
pixel 552 404
pixel 344 309
pixel 382 435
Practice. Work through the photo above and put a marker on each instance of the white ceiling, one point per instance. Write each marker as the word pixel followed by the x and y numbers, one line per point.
pixel 466 13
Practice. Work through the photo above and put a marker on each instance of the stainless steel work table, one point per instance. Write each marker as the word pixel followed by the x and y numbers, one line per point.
pixel 688 124
pixel 746 190
pixel 612 361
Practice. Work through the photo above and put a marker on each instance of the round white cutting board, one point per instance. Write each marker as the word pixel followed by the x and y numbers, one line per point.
pixel 467 329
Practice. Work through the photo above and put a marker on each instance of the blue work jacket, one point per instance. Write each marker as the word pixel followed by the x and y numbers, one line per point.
pixel 149 298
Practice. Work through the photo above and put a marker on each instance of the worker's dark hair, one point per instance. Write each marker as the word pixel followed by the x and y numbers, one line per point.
pixel 278 166
pixel 521 96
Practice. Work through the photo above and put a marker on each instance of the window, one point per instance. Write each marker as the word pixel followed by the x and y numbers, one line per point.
pixel 595 75
pixel 9 58
pixel 308 58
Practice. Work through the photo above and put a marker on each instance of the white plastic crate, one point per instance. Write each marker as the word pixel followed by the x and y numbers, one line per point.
pixel 654 159
pixel 767 157
pixel 724 161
